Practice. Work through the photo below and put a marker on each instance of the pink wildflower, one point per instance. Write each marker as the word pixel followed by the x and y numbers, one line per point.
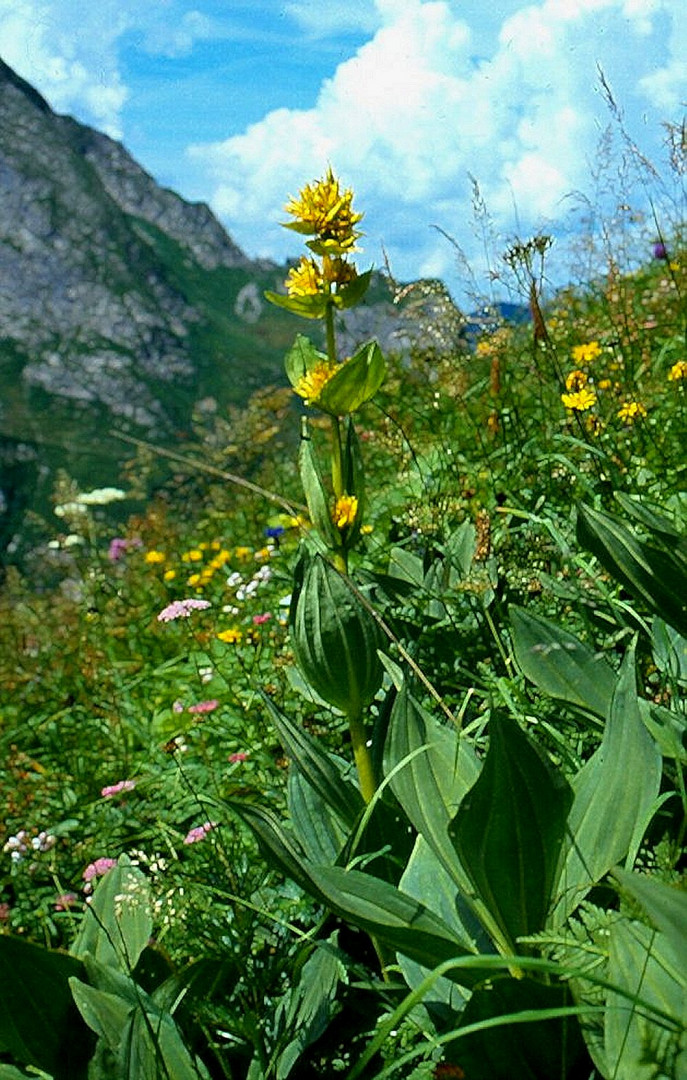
pixel 5 910
pixel 65 901
pixel 240 756
pixel 181 609
pixel 115 789
pixel 120 545
pixel 203 707
pixel 258 620
pixel 98 868
pixel 199 832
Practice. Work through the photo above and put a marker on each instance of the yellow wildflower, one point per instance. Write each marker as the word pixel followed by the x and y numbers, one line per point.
pixel 678 371
pixel 309 386
pixel 231 636
pixel 576 380
pixel 584 354
pixel 194 555
pixel 580 401
pixel 193 580
pixel 323 209
pixel 242 552
pixel 154 556
pixel 169 575
pixel 604 384
pixel 336 271
pixel 345 511
pixel 305 279
pixel 631 411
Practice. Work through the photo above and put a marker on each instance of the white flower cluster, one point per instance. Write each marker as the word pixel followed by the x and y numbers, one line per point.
pixel 21 843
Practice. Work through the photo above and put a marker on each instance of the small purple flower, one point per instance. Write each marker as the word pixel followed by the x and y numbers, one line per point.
pixel 181 609
pixel 116 789
pixel 199 832
pixel 120 545
pixel 204 706
pixel 660 250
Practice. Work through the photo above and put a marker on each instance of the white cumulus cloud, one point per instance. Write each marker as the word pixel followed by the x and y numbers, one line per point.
pixel 437 95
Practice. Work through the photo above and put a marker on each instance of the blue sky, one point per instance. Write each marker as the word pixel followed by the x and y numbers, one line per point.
pixel 240 102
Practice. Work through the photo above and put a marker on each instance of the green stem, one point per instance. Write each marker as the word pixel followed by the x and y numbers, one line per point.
pixel 361 756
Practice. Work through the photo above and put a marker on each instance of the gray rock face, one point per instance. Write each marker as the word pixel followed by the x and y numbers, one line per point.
pixel 84 299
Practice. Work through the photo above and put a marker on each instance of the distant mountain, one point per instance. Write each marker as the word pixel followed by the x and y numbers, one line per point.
pixel 122 305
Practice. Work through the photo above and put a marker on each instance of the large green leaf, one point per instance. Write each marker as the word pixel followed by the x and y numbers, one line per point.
pixel 655 576
pixel 317 828
pixel 335 638
pixel 614 791
pixel 320 768
pixel 316 497
pixel 509 830
pixel 545 1048
pixel 636 1038
pixel 560 664
pixel 309 1005
pixel 426 880
pixel 39 1024
pixel 392 917
pixel 117 924
pixel 430 769
pixel 354 382
pixel 666 906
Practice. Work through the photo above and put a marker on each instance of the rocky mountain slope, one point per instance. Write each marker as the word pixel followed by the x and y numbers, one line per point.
pixel 121 306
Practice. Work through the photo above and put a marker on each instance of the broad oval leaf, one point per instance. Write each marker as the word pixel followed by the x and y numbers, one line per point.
pixel 613 792
pixel 509 830
pixel 354 382
pixel 560 664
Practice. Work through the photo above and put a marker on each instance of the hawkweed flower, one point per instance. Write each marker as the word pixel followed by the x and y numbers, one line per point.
pixel 310 385
pixel 230 636
pixel 345 511
pixel 154 556
pixel 580 400
pixel 181 609
pixel 631 411
pixel 585 354
pixel 576 380
pixel 678 371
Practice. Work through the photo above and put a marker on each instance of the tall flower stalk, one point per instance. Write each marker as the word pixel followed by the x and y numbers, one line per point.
pixel 335 637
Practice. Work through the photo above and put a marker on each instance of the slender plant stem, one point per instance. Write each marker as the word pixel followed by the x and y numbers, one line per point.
pixel 361 756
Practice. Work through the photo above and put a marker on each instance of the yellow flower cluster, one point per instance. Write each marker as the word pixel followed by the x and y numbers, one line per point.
pixel 345 511
pixel 309 386
pixel 304 279
pixel 585 354
pixel 324 210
